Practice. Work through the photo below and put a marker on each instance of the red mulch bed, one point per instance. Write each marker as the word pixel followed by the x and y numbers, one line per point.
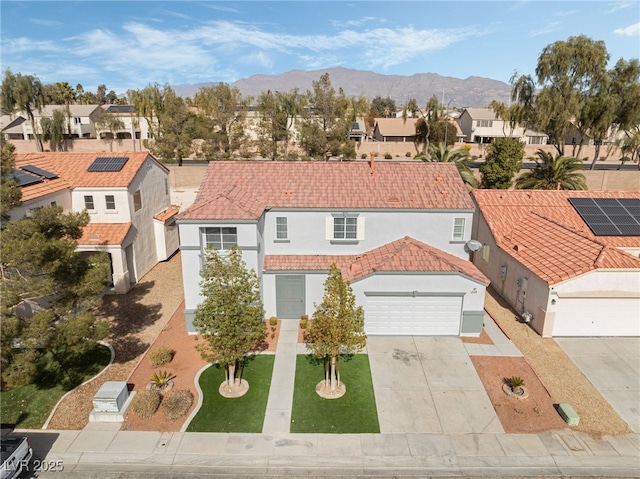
pixel 531 415
pixel 184 366
pixel 482 339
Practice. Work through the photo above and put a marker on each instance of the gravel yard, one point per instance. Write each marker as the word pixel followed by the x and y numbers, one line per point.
pixel 136 320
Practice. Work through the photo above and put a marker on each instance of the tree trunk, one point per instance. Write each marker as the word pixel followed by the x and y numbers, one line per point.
pixel 334 382
pixel 326 372
pixel 595 157
pixel 231 379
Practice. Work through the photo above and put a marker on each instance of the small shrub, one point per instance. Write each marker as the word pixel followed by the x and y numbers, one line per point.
pixel 408 154
pixel 177 403
pixel 160 355
pixel 145 403
pixel 273 321
pixel 304 321
pixel 388 156
pixel 160 380
pixel 516 381
pixel 363 156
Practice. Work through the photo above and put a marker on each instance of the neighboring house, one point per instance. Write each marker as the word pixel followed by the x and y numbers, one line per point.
pixel 480 125
pixel 395 129
pixel 397 230
pixel 126 195
pixel 358 131
pixel 546 261
pixel 82 120
pixel 135 128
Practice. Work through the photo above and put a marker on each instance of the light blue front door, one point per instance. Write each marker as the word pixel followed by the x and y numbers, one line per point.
pixel 290 296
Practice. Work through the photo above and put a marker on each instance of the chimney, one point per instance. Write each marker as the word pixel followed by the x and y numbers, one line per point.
pixel 372 165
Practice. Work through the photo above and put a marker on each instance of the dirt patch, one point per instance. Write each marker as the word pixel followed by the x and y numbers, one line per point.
pixel 534 414
pixel 482 339
pixel 562 378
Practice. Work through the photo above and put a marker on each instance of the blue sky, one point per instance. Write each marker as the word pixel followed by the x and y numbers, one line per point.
pixel 129 44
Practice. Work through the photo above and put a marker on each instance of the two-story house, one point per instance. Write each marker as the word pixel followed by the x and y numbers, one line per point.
pixel 397 230
pixel 126 196
pixel 480 125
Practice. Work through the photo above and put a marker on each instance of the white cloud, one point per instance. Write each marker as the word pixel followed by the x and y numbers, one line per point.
pixel 616 7
pixel 549 27
pixel 44 23
pixel 630 31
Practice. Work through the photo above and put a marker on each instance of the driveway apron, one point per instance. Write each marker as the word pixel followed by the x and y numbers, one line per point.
pixel 428 385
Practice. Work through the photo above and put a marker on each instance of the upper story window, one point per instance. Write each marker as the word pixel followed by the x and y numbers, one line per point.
pixel 458 229
pixel 345 228
pixel 281 228
pixel 110 201
pixel 88 202
pixel 485 123
pixel 222 238
pixel 77 120
pixel 137 201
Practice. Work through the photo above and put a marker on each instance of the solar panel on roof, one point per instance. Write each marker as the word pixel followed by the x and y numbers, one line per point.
pixel 39 171
pixel 25 179
pixel 609 216
pixel 108 163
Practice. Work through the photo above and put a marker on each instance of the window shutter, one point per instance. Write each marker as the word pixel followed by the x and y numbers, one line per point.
pixel 329 228
pixel 360 232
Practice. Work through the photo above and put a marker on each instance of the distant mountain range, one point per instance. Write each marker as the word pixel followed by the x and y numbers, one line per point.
pixel 470 92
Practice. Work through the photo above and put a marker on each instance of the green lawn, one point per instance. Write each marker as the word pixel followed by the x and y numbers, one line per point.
pixel 243 414
pixel 355 412
pixel 29 406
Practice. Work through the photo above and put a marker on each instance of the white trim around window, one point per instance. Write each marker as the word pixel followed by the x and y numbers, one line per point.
pixel 282 230
pixel 458 229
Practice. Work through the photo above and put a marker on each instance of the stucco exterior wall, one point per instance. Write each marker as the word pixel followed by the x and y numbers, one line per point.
pixel 307 231
pixel 61 198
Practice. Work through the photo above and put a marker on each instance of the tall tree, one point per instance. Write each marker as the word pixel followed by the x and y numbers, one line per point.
pixel 625 93
pixel 503 161
pixel 40 262
pixel 225 110
pixel 109 123
pixel 568 72
pixel 337 327
pixel 66 95
pixel 427 120
pixel 10 192
pixel 559 173
pixel 383 107
pixel 23 93
pixel 442 154
pixel 53 130
pixel 231 317
pixel 273 133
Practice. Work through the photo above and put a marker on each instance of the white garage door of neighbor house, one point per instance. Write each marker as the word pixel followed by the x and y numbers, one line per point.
pixel 413 315
pixel 597 317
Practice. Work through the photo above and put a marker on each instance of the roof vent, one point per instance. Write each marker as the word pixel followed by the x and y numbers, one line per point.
pixel 439 179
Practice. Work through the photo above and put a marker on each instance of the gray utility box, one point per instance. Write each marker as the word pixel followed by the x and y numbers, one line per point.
pixel 111 397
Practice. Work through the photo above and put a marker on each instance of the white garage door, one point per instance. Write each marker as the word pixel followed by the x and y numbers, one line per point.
pixel 597 317
pixel 413 315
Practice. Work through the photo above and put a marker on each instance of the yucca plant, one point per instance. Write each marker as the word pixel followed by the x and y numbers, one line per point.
pixel 516 382
pixel 160 379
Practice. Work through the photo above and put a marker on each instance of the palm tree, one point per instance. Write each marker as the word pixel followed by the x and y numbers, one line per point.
pixel 441 153
pixel 559 173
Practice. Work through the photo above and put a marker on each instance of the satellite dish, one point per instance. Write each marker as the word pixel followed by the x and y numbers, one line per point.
pixel 474 245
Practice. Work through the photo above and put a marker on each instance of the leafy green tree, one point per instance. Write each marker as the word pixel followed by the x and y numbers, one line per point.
pixel 383 107
pixel 559 173
pixel 569 72
pixel 625 93
pixel 106 121
pixel 273 132
pixel 40 263
pixel 337 326
pixel 53 130
pixel 224 110
pixel 23 93
pixel 231 316
pixel 503 161
pixel 10 192
pixel 441 153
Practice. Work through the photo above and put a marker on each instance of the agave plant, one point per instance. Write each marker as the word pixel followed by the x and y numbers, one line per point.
pixel 161 379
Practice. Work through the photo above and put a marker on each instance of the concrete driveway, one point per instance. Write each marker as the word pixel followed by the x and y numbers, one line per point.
pixel 613 367
pixel 428 385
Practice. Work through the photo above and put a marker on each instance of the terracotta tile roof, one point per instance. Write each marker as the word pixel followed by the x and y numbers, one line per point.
pixel 167 214
pixel 103 234
pixel 403 255
pixel 71 169
pixel 544 232
pixel 245 189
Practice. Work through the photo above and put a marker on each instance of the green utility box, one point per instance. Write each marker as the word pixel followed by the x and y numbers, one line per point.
pixel 568 414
